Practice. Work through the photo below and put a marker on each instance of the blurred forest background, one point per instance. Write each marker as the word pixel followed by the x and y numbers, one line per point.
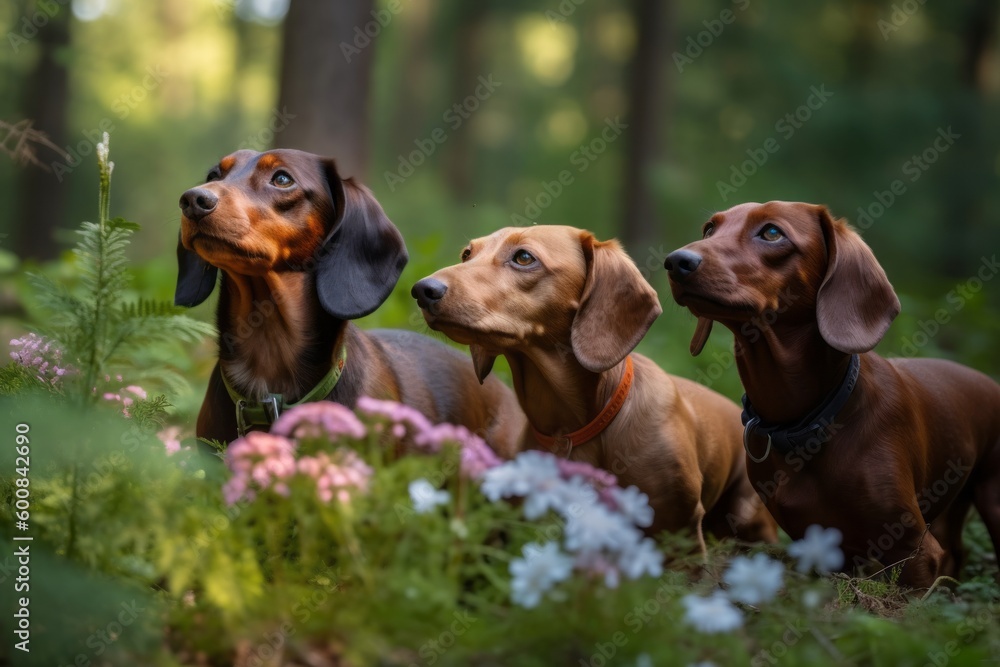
pixel 634 119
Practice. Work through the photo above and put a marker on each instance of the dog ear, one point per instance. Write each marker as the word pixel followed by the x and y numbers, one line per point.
pixel 361 261
pixel 701 333
pixel 195 278
pixel 482 361
pixel 855 303
pixel 617 306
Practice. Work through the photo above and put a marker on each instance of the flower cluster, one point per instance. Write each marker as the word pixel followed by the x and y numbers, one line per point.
pixel 407 422
pixel 126 395
pixel 171 439
pixel 42 356
pixel 267 462
pixel 318 420
pixel 757 580
pixel 601 535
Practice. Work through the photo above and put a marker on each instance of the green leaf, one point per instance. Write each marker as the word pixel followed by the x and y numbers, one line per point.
pixel 122 223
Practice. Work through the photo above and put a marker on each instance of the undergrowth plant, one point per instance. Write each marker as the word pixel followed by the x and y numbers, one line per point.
pixel 96 326
pixel 374 537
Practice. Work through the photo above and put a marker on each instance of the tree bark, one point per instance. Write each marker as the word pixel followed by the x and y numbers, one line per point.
pixel 649 87
pixel 42 194
pixel 325 79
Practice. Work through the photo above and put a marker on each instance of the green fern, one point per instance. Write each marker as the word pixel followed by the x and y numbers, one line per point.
pixel 94 324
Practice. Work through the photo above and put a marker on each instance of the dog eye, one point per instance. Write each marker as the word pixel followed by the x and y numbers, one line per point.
pixel 709 230
pixel 771 233
pixel 523 258
pixel 213 175
pixel 466 254
pixel 282 179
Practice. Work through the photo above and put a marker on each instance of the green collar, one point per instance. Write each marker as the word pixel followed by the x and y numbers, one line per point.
pixel 264 413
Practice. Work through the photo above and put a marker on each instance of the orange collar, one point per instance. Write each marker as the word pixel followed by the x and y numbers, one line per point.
pixel 601 422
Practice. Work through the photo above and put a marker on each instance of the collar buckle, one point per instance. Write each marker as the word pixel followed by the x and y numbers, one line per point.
pixel 815 429
pixel 748 431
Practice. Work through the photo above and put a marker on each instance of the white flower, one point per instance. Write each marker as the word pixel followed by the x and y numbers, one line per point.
pixel 533 575
pixel 520 476
pixel 425 497
pixel 598 528
pixel 811 598
pixel 567 497
pixel 634 504
pixel 545 496
pixel 754 580
pixel 819 548
pixel 642 558
pixel 711 614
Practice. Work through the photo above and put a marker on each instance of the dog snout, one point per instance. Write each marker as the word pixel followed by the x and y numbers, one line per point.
pixel 428 292
pixel 682 263
pixel 196 203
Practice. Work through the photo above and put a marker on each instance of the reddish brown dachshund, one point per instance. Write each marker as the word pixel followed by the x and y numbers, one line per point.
pixel 837 435
pixel 303 252
pixel 566 310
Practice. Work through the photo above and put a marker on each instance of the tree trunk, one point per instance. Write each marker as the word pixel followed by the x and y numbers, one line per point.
pixel 648 106
pixel 42 193
pixel 325 79
pixel 467 65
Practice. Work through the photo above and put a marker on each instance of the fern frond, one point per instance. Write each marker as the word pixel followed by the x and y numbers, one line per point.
pixel 15 378
pixel 94 324
pixel 150 411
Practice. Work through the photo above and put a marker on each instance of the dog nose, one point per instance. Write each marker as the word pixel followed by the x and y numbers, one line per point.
pixel 196 203
pixel 682 263
pixel 428 292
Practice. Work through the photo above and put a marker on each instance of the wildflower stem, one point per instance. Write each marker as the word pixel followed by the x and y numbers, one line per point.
pixel 97 356
pixel 71 527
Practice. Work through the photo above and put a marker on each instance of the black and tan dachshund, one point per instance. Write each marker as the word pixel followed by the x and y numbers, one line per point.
pixel 302 253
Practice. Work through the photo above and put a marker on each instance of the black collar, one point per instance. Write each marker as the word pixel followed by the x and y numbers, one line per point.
pixel 813 427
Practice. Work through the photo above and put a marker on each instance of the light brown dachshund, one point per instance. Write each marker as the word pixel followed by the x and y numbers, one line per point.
pixel 566 311
pixel 845 438
pixel 302 253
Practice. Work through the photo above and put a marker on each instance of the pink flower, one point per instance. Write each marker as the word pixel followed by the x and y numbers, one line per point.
pixel 42 356
pixel 315 420
pixel 477 458
pixel 267 462
pixel 601 479
pixel 171 439
pixel 257 461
